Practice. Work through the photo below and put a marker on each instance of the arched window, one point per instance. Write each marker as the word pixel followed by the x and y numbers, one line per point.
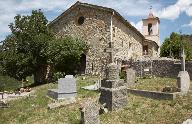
pixel 150 30
pixel 81 20
pixel 145 50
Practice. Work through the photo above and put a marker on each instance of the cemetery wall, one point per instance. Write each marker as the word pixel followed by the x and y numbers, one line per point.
pixel 161 67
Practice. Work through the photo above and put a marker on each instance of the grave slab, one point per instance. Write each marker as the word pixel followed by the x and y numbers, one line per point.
pixel 66 88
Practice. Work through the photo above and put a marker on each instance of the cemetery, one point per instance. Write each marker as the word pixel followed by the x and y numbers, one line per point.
pixel 109 99
pixel 138 109
pixel 91 66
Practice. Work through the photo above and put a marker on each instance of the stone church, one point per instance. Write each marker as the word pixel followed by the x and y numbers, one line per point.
pixel 100 26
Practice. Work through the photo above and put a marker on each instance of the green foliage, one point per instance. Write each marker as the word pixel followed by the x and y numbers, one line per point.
pixel 22 51
pixel 188 49
pixel 58 75
pixel 9 84
pixel 65 53
pixel 14 63
pixel 122 74
pixel 32 46
pixel 172 47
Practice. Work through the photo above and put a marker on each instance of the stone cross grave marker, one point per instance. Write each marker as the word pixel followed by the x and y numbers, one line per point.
pixel 113 90
pixel 183 60
pixel 111 50
pixel 183 79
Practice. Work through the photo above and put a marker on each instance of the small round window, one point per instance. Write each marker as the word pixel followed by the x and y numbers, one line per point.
pixel 81 20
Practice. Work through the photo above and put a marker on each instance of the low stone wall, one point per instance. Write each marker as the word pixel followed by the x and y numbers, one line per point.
pixel 154 94
pixel 160 67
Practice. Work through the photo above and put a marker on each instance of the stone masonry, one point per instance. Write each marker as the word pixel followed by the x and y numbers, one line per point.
pixel 163 67
pixel 90 113
pixel 113 90
pixel 94 29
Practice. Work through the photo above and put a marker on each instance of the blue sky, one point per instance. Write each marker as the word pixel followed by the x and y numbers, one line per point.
pixel 175 15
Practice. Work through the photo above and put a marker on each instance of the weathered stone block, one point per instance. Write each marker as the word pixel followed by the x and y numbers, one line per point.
pixel 112 83
pixel 112 72
pixel 114 98
pixel 58 95
pixel 183 81
pixel 130 77
pixel 90 113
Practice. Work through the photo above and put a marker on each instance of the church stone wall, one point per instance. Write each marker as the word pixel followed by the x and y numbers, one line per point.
pixel 128 43
pixel 152 49
pixel 95 31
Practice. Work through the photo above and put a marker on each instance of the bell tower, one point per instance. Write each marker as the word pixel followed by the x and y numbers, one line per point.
pixel 151 28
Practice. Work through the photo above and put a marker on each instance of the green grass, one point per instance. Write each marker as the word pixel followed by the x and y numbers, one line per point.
pixel 7 83
pixel 154 84
pixel 10 84
pixel 34 109
pixel 139 109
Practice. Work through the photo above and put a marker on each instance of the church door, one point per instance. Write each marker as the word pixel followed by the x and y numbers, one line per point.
pixel 82 64
pixel 145 50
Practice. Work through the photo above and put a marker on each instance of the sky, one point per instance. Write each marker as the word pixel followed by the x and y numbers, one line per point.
pixel 175 15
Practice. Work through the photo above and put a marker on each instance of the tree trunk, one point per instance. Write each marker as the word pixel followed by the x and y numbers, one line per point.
pixel 43 74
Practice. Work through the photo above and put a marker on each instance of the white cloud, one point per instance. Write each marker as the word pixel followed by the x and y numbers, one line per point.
pixel 189 11
pixel 188 25
pixel 138 25
pixel 10 8
pixel 127 7
pixel 172 12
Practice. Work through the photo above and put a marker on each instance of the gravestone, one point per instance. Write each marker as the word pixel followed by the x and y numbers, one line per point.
pixel 90 113
pixel 130 77
pixel 2 93
pixel 66 88
pixel 183 82
pixel 3 104
pixel 183 79
pixel 113 90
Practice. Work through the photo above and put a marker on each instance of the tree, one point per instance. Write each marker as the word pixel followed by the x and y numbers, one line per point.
pixel 15 63
pixel 172 47
pixel 32 49
pixel 23 49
